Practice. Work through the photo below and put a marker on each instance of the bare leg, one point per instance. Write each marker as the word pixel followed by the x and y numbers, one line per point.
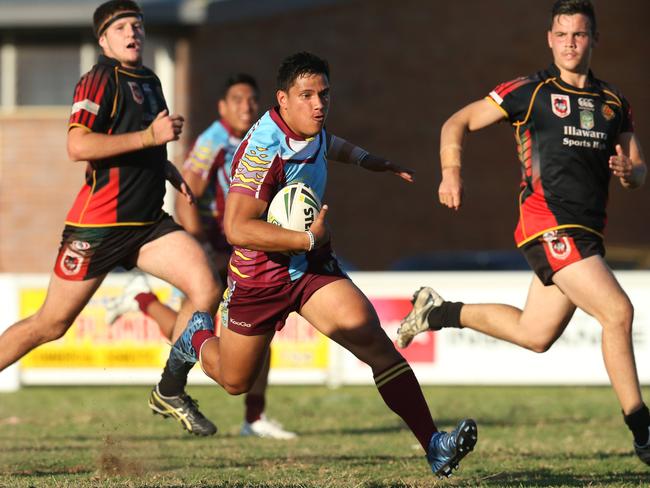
pixel 64 301
pixel 591 285
pixel 545 316
pixel 164 316
pixel 178 259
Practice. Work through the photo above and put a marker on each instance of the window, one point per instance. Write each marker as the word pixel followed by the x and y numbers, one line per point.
pixel 46 74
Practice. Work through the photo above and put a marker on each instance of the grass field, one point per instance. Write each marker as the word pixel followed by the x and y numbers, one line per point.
pixel 81 437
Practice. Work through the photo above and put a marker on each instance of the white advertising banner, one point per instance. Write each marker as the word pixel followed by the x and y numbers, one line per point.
pixel 132 350
pixel 453 356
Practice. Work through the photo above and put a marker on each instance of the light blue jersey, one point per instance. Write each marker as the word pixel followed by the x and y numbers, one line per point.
pixel 270 157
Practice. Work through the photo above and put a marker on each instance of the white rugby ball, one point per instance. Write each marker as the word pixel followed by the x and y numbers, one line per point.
pixel 294 207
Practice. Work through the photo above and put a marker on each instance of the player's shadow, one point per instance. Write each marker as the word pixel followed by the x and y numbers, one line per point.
pixel 548 478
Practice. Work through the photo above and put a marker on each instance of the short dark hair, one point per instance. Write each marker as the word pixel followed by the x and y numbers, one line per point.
pixel 572 7
pixel 236 79
pixel 300 64
pixel 105 13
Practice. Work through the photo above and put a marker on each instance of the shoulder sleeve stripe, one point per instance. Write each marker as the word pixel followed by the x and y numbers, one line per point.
pixel 504 88
pixel 86 105
pixel 497 103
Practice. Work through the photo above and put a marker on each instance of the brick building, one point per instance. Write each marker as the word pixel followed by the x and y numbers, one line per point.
pixel 398 70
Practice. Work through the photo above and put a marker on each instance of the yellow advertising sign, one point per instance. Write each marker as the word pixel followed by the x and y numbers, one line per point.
pixel 133 341
pixel 299 346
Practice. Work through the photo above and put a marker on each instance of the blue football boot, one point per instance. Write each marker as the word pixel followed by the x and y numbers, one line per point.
pixel 182 352
pixel 447 449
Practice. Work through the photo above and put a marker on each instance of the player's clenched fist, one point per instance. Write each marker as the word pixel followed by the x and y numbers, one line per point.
pixel 163 129
pixel 319 228
pixel 450 191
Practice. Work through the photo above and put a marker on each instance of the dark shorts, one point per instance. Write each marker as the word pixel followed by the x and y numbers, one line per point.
pixel 556 249
pixel 88 252
pixel 259 310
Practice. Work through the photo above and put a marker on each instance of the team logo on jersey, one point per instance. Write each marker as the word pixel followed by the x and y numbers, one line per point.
pixel 558 246
pixel 586 103
pixel 607 112
pixel 561 105
pixel 586 119
pixel 138 96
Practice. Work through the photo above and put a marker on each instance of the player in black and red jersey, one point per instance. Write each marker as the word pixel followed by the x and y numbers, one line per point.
pixel 120 126
pixel 573 131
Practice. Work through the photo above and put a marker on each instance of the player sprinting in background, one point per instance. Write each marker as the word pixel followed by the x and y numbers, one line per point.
pixel 289 144
pixel 573 131
pixel 120 126
pixel 207 172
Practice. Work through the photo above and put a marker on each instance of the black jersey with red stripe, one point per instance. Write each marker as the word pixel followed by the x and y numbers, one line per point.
pixel 126 189
pixel 565 136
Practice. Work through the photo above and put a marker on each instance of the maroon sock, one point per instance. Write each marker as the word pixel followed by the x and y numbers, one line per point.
pixel 199 337
pixel 254 407
pixel 401 391
pixel 144 300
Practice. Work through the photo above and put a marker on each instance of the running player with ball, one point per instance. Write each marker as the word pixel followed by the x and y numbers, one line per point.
pixel 274 270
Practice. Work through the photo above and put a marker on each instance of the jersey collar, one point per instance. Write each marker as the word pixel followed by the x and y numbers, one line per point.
pixel 555 72
pixel 277 118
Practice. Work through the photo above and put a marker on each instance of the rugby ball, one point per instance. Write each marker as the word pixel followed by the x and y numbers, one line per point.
pixel 294 207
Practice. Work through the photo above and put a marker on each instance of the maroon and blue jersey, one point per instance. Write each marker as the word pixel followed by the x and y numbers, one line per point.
pixel 127 189
pixel 211 159
pixel 270 157
pixel 565 136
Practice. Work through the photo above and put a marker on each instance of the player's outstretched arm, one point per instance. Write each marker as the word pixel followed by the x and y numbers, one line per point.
pixel 245 227
pixel 628 164
pixel 84 145
pixel 338 149
pixel 472 117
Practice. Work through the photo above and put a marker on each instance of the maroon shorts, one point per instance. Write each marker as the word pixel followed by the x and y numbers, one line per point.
pixel 556 249
pixel 258 310
pixel 88 252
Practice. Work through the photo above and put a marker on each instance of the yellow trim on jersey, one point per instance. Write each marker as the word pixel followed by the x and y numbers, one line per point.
pixel 134 75
pixel 506 115
pixel 241 255
pixel 565 226
pixel 116 224
pixel 616 101
pixel 237 272
pixel 90 195
pixel 521 194
pixel 530 105
pixel 77 124
pixel 243 186
pixel 575 92
pixel 117 92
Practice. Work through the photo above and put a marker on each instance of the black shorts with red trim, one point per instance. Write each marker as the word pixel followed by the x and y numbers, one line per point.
pixel 556 249
pixel 88 252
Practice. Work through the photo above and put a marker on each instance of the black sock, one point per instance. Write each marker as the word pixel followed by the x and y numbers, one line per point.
pixel 171 385
pixel 639 422
pixel 446 315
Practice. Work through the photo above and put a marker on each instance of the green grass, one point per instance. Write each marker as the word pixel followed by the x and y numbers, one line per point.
pixel 83 437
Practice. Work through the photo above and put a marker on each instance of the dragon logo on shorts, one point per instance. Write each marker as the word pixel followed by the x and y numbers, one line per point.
pixel 71 262
pixel 558 246
pixel 561 105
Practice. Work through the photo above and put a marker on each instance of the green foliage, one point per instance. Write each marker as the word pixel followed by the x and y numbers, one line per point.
pixel 106 437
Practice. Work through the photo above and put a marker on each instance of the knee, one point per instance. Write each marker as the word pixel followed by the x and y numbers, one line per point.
pixel 539 345
pixel 619 317
pixel 206 297
pixel 236 388
pixel 50 332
